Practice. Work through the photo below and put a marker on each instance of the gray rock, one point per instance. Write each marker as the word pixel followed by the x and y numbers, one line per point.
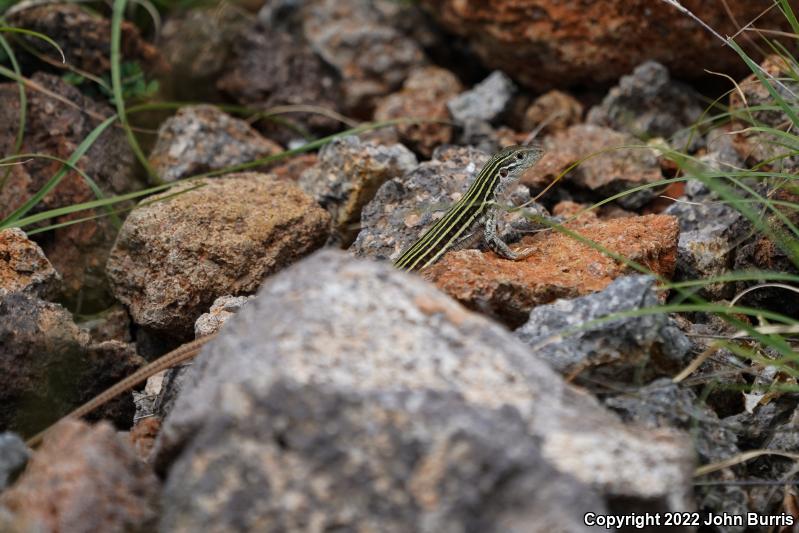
pixel 561 333
pixel 348 175
pixel 710 231
pixel 24 267
pixel 648 103
pixel 404 206
pixel 485 101
pixel 394 462
pixel 172 259
pixel 362 330
pixel 202 138
pixel 14 456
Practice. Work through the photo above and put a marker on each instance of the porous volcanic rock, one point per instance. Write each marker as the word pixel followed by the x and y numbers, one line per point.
pixel 560 267
pixel 546 44
pixel 173 258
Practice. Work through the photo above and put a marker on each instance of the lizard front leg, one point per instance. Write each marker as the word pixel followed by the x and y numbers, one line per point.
pixel 496 244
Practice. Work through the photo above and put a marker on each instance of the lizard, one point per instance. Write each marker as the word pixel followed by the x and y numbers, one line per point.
pixel 476 210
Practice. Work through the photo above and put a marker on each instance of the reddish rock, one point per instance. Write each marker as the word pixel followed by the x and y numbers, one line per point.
pixel 24 267
pixel 548 43
pixel 143 435
pixel 552 112
pixel 82 479
pixel 606 173
pixel 56 128
pixel 424 95
pixel 84 36
pixel 293 167
pixel 561 267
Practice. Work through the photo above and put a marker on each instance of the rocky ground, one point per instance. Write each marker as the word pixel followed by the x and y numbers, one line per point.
pixel 339 393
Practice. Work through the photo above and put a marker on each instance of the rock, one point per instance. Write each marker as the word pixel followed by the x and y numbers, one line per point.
pixel 760 252
pixel 663 403
pixel 648 103
pixel 24 267
pixel 293 167
pixel 552 112
pixel 14 456
pixel 549 44
pixel 112 324
pixel 348 174
pixel 710 231
pixel 273 67
pixel 198 44
pixel 49 365
pixel 560 267
pixel 424 95
pixel 485 102
pixel 223 308
pixel 84 36
pixel 172 259
pixel 562 334
pixel 758 146
pixel 78 251
pixel 404 206
pixel 605 174
pixel 721 153
pixel 83 478
pixel 322 373
pixel 359 39
pixel 433 462
pixel 202 138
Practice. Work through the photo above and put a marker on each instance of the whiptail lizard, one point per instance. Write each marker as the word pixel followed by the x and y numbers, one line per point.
pixel 476 210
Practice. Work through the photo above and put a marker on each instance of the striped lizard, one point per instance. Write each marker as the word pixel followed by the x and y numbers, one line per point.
pixel 476 210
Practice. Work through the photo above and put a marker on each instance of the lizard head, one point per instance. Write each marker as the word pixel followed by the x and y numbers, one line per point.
pixel 514 160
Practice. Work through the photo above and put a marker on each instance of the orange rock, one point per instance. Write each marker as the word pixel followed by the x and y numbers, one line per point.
pixel 548 43
pixel 561 267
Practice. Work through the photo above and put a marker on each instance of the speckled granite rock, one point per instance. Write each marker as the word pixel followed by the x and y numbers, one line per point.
pixel 604 174
pixel 173 258
pixel 83 478
pixel 353 334
pixel 560 266
pixel 24 267
pixel 202 138
pixel 648 103
pixel 348 174
pixel 648 344
pixel 424 95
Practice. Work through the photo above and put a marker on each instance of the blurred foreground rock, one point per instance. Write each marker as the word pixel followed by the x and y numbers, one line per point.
pixel 217 237
pixel 370 373
pixel 82 479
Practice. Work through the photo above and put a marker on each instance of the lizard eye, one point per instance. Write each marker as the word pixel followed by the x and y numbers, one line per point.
pixel 520 156
pixel 503 172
